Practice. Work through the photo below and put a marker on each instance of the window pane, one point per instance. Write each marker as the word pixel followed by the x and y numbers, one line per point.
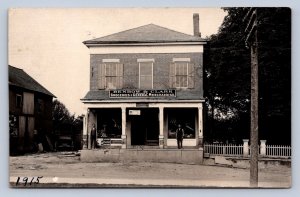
pixel 181 68
pixel 145 75
pixel 181 74
pixel 111 82
pixel 146 68
pixel 181 81
pixel 184 81
pixel 146 82
pixel 111 70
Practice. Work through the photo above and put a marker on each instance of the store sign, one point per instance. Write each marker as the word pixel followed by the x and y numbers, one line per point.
pixel 135 112
pixel 141 93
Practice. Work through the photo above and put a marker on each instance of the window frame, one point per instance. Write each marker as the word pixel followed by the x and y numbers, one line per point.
pixel 110 62
pixel 186 75
pixel 152 65
pixel 19 104
pixel 110 76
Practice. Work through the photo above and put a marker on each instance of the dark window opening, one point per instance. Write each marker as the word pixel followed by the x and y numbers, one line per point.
pixel 13 125
pixel 41 105
pixel 18 101
pixel 184 117
pixel 109 123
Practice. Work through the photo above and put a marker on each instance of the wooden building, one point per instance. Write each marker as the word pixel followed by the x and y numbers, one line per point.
pixel 143 83
pixel 30 112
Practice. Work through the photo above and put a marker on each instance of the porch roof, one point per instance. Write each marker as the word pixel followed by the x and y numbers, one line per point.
pixel 103 95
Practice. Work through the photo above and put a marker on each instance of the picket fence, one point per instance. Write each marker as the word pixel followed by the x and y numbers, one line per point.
pixel 278 151
pixel 223 149
pixel 238 150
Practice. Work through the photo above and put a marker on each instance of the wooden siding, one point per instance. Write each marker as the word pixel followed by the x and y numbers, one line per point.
pixel 28 103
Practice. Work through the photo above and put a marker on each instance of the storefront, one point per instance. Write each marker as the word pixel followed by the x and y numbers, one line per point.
pixel 148 124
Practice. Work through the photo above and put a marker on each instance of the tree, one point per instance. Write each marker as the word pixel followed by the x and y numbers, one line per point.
pixel 62 119
pixel 66 124
pixel 227 76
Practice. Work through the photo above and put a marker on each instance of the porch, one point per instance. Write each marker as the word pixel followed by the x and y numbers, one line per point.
pixel 127 125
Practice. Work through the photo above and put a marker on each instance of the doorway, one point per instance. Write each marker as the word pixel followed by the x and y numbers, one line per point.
pixel 144 127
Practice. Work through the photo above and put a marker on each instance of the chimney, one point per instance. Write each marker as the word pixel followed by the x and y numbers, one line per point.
pixel 196 25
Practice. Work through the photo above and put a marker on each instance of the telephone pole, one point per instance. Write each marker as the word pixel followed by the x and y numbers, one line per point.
pixel 251 39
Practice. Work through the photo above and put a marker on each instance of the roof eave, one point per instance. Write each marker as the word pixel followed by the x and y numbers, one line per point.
pixel 137 43
pixel 19 86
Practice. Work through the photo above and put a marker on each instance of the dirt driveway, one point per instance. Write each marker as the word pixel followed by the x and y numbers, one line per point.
pixel 60 169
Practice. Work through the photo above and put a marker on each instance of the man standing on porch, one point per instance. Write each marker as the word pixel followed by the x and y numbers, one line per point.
pixel 93 137
pixel 179 136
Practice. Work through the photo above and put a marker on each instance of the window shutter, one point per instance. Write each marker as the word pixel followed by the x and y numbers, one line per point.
pixel 101 76
pixel 119 75
pixel 172 75
pixel 191 75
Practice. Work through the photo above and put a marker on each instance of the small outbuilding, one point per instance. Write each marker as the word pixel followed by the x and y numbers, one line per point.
pixel 30 113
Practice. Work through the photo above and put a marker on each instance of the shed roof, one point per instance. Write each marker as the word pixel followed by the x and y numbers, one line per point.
pixel 20 78
pixel 150 33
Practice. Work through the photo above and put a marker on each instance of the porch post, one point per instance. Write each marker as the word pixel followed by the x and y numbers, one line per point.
pixel 161 127
pixel 84 134
pixel 91 119
pixel 123 109
pixel 200 126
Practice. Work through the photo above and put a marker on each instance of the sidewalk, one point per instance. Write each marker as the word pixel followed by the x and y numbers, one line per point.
pixel 65 171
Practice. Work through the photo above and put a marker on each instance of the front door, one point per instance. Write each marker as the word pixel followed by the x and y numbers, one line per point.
pixel 145 127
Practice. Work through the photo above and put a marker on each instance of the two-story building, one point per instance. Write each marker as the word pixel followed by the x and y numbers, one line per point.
pixel 143 83
pixel 30 112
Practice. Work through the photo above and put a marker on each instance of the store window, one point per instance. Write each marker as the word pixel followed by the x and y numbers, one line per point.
pixel 184 117
pixel 109 123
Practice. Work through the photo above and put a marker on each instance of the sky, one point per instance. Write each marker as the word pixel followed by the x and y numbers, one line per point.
pixel 47 43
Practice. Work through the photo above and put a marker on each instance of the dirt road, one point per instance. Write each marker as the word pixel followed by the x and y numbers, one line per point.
pixel 61 169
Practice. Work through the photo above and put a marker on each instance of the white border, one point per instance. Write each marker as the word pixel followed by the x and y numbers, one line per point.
pixel 5 4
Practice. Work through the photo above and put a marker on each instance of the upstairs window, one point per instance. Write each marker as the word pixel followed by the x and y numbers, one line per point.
pixel 145 73
pixel 181 73
pixel 110 74
pixel 19 101
pixel 40 106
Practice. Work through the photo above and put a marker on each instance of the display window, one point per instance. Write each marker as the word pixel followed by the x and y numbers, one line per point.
pixel 184 117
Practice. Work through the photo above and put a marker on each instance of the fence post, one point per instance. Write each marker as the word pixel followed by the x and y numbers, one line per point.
pixel 245 148
pixel 263 147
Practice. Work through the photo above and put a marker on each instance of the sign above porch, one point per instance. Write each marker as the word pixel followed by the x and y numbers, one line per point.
pixel 141 93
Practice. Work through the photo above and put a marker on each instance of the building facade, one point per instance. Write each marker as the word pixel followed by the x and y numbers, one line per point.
pixel 30 111
pixel 143 83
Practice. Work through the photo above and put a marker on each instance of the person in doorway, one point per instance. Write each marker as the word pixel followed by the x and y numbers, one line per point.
pixel 93 137
pixel 179 136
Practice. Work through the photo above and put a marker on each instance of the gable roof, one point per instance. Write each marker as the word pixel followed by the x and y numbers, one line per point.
pixel 150 33
pixel 20 78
